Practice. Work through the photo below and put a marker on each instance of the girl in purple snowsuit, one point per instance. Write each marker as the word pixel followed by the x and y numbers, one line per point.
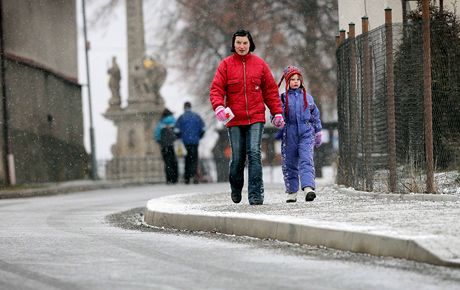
pixel 299 136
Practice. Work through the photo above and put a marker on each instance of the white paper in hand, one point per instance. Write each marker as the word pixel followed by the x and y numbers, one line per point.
pixel 228 114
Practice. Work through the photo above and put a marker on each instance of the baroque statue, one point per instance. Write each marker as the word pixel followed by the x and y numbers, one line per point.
pixel 149 76
pixel 114 83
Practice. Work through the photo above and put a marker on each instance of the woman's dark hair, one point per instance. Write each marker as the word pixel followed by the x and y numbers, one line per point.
pixel 242 32
pixel 166 113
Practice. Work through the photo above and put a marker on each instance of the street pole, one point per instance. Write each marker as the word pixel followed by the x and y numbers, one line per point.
pixel 88 84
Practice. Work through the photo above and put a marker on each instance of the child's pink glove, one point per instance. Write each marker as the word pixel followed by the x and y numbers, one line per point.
pixel 220 114
pixel 318 139
pixel 278 121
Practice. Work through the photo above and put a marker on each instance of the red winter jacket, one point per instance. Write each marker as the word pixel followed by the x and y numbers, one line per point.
pixel 246 85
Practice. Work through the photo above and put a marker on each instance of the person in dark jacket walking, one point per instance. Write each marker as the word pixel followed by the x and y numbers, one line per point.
pixel 244 84
pixel 190 128
pixel 299 136
pixel 165 136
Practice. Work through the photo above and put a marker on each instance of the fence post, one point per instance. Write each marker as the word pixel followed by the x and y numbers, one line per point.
pixel 342 36
pixel 427 98
pixel 353 112
pixel 340 178
pixel 367 100
pixel 343 172
pixel 390 100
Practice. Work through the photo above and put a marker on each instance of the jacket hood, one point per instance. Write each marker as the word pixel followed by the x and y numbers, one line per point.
pixel 169 120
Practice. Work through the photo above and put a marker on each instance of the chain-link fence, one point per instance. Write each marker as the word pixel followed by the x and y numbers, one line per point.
pixel 367 66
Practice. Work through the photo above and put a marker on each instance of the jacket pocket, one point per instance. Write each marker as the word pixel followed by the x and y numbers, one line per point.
pixel 255 85
pixel 233 86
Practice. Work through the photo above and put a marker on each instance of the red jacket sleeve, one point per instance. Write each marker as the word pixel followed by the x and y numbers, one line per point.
pixel 270 92
pixel 217 90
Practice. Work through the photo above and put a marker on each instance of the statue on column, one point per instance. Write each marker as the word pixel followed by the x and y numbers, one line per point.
pixel 114 83
pixel 149 76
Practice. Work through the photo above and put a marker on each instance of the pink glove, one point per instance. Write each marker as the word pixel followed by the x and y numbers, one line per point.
pixel 220 114
pixel 318 137
pixel 278 121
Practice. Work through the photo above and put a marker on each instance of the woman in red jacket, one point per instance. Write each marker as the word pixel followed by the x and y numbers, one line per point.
pixel 244 84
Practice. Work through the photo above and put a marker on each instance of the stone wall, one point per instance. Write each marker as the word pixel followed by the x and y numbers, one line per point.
pixel 43 96
pixel 46 125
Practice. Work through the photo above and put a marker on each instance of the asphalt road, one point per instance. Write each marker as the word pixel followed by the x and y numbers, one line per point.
pixel 95 240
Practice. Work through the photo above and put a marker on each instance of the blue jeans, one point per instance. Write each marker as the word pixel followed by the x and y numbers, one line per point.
pixel 245 141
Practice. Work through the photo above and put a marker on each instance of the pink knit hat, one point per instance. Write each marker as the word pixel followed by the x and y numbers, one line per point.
pixel 288 72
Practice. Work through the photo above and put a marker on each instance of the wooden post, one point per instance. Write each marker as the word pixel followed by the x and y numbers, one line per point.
pixel 353 110
pixel 367 108
pixel 404 11
pixel 342 36
pixel 344 162
pixel 427 98
pixel 390 100
pixel 351 30
pixel 341 166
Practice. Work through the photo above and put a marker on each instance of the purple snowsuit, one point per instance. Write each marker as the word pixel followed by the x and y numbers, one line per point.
pixel 298 140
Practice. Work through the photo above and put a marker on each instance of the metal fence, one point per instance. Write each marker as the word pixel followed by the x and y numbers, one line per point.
pixel 367 66
pixel 151 169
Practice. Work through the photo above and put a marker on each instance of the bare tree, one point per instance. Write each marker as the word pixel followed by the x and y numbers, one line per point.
pixel 294 32
pixel 103 12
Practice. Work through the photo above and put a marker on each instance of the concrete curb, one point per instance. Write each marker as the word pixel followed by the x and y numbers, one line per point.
pixel 273 228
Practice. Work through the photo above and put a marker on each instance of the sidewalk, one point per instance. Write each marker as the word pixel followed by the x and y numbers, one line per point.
pixel 417 227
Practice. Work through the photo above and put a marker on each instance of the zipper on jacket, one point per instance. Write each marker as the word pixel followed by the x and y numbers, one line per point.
pixel 245 95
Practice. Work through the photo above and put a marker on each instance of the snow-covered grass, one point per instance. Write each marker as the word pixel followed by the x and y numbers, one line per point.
pixel 415 182
pixel 448 182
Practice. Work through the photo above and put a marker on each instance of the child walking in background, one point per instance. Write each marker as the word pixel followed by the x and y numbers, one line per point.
pixel 299 136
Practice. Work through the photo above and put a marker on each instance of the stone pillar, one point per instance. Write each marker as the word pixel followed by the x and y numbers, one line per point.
pixel 136 42
pixel 136 156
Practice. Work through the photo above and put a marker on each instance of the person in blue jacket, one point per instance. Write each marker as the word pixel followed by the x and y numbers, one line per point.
pixel 165 136
pixel 299 136
pixel 190 128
